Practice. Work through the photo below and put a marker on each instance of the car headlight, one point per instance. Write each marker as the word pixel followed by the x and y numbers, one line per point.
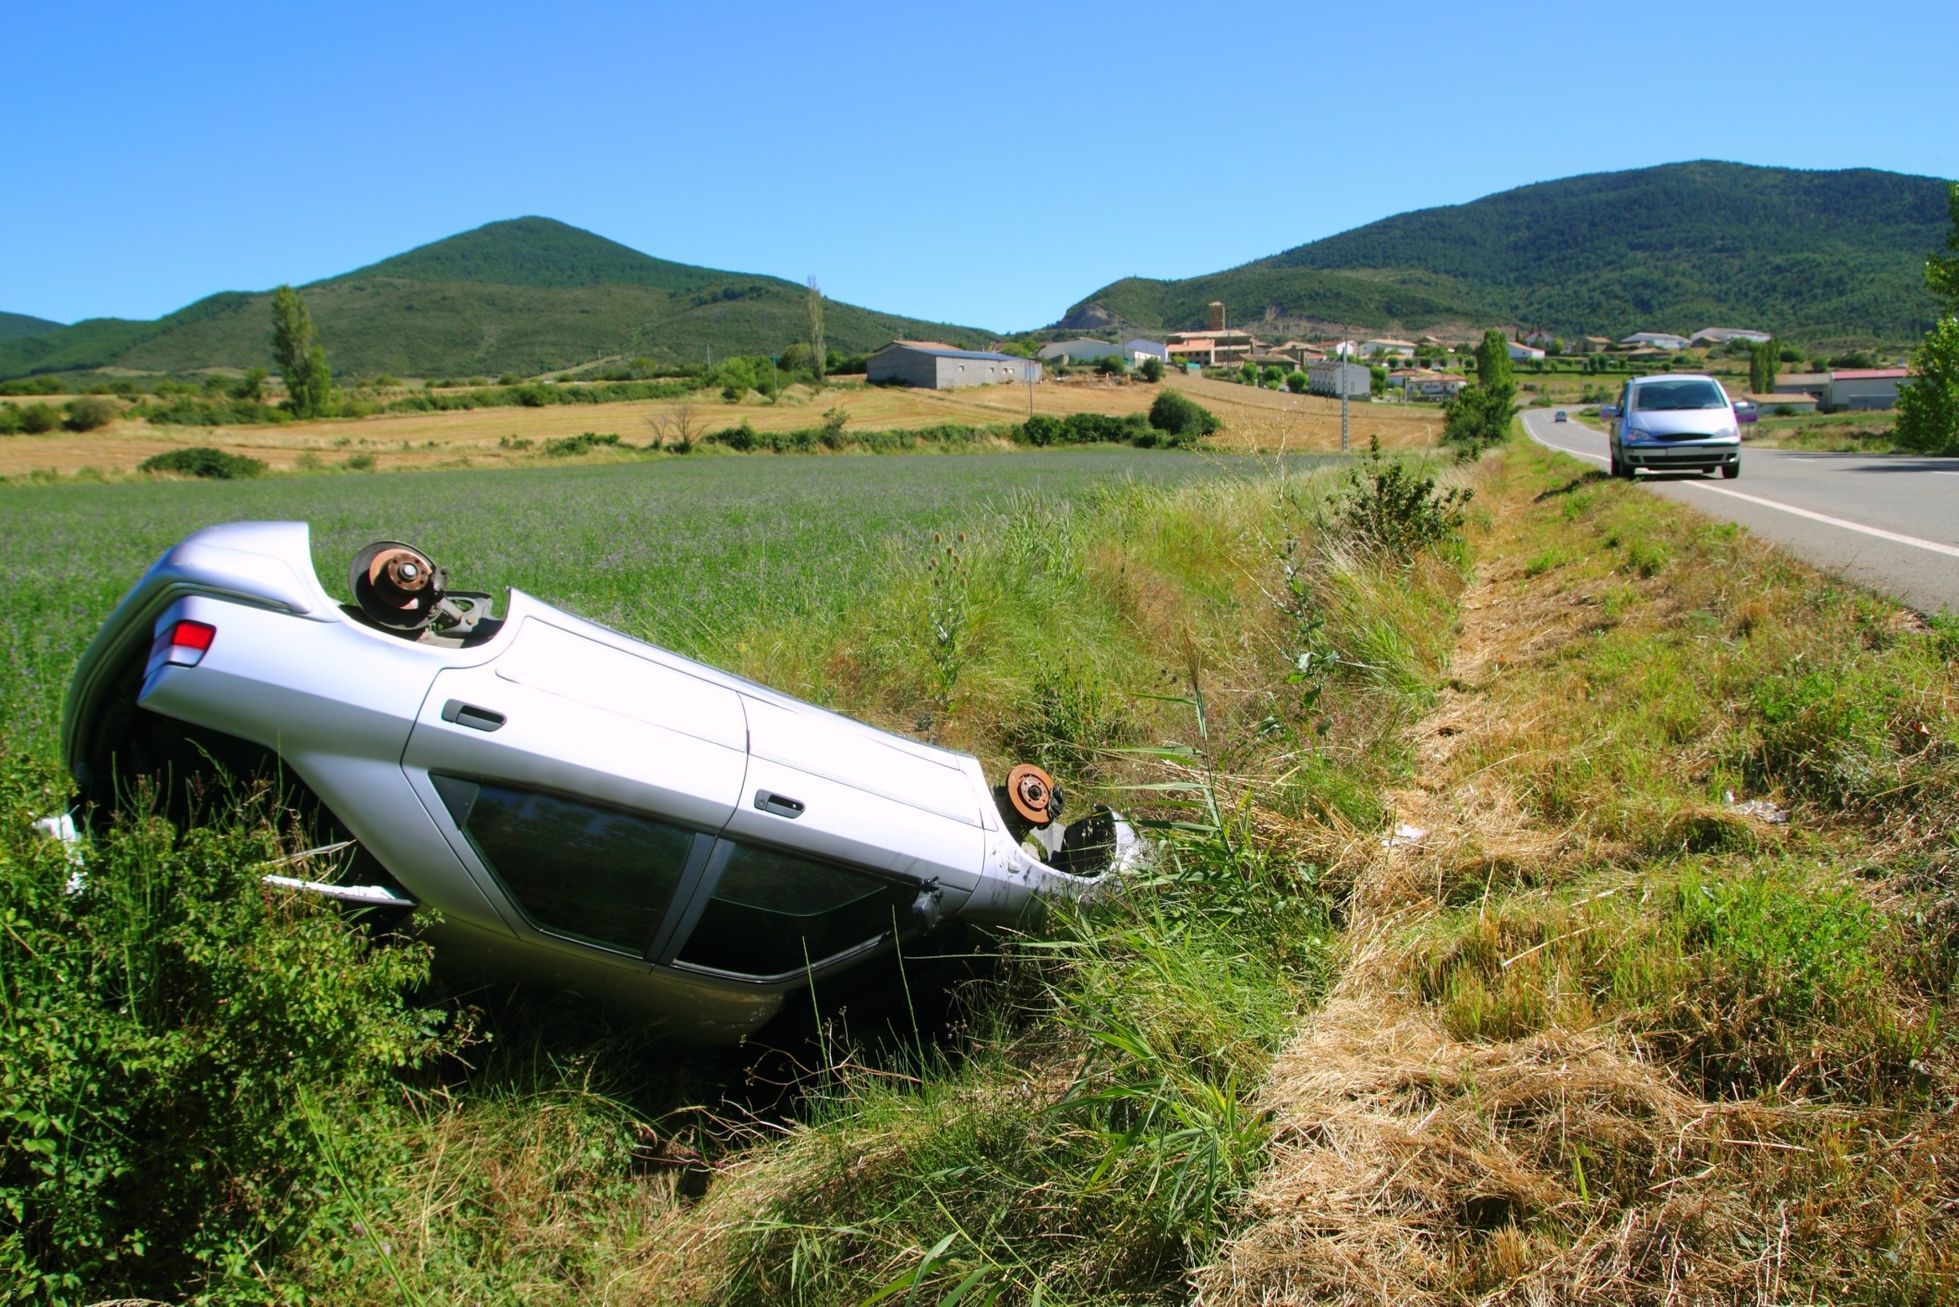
pixel 1637 433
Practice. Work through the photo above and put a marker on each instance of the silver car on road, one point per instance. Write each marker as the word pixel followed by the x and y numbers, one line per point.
pixel 1674 422
pixel 576 805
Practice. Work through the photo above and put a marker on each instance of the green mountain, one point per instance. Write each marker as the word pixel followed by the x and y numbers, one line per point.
pixel 524 296
pixel 22 324
pixel 1677 247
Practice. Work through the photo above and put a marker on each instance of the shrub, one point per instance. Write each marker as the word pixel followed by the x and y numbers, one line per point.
pixel 203 461
pixel 1388 510
pixel 579 444
pixel 38 419
pixel 1151 369
pixel 9 420
pixel 1296 382
pixel 1181 418
pixel 88 413
pixel 195 1060
pixel 1112 365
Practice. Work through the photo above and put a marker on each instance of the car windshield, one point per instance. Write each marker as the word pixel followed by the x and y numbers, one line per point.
pixel 1679 395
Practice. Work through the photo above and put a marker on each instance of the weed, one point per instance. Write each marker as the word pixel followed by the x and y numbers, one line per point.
pixel 1395 512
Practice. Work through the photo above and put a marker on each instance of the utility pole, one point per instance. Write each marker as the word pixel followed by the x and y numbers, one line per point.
pixel 1341 352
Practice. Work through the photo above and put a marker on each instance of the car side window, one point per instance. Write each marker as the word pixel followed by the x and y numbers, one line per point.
pixel 594 874
pixel 774 913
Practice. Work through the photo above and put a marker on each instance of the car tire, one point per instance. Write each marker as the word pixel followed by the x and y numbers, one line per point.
pixel 1729 471
pixel 1616 465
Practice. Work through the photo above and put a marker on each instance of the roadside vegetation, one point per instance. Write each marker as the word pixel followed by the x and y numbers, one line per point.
pixel 1068 1112
pixel 1554 902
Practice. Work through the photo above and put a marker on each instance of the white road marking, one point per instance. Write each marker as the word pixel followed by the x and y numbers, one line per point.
pixel 1881 534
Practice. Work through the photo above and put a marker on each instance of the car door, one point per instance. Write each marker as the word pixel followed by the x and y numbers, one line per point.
pixel 582 781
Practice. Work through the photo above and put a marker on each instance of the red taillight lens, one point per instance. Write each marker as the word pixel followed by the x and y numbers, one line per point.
pixel 186 643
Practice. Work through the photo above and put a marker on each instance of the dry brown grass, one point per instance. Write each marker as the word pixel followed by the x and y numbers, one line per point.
pixel 1253 420
pixel 1582 1160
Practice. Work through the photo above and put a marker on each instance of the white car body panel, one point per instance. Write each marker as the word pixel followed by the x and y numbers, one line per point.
pixel 399 739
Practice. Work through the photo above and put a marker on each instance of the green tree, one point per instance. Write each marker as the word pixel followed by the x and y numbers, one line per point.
pixel 301 360
pixel 1151 369
pixel 1112 365
pixel 1764 360
pixel 1942 270
pixel 1928 404
pixel 1296 382
pixel 815 309
pixel 1493 371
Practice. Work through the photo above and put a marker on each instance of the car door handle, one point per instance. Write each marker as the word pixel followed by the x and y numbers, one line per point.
pixel 468 714
pixel 779 804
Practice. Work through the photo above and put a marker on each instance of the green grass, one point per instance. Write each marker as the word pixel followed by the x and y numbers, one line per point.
pixel 1075 1117
pixel 681 553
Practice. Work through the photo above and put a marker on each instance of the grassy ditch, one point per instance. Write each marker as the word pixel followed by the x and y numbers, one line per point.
pixel 1652 1008
pixel 1067 1114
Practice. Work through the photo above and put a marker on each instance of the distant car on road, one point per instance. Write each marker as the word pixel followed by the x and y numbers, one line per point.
pixel 579 807
pixel 1674 422
pixel 1558 416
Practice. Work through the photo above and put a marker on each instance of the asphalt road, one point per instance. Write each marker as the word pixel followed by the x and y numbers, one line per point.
pixel 1890 521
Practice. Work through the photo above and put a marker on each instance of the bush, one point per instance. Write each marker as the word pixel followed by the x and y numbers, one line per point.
pixel 1391 511
pixel 203 461
pixel 1112 365
pixel 579 444
pixel 88 413
pixel 1181 418
pixel 1082 429
pixel 193 1059
pixel 1296 382
pixel 9 420
pixel 1151 369
pixel 38 419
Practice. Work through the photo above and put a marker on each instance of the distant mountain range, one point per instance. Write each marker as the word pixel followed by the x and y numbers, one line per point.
pixel 22 324
pixel 1811 255
pixel 526 296
pixel 1677 247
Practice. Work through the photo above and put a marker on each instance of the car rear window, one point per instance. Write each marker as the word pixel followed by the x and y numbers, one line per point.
pixel 1678 395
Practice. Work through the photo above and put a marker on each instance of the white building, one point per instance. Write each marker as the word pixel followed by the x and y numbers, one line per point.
pixel 1656 339
pixel 1332 378
pixel 1140 349
pixel 1524 353
pixel 1387 345
pixel 1722 335
pixel 1079 350
pixel 937 366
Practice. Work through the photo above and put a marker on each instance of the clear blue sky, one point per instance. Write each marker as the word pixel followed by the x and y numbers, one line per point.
pixel 982 164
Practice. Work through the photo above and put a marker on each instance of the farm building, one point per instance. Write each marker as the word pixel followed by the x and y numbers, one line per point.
pixel 1524 353
pixel 1864 387
pixel 1140 349
pixel 1211 347
pixel 1330 378
pixel 934 366
pixel 1722 335
pixel 1079 350
pixel 1813 384
pixel 1657 339
pixel 1388 345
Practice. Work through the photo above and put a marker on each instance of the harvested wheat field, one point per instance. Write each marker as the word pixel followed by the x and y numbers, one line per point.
pixel 1253 420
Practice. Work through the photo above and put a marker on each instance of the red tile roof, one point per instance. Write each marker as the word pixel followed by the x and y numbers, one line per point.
pixel 1870 374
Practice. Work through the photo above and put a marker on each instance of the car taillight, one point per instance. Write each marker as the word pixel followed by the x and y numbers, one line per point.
pixel 186 643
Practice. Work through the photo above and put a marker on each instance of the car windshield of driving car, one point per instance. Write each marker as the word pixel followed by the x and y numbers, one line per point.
pixel 1679 395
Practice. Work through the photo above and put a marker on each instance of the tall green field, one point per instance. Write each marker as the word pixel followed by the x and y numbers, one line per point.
pixel 680 553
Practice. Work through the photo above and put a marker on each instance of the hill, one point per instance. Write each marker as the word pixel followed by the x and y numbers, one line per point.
pixel 23 324
pixel 1677 247
pixel 524 296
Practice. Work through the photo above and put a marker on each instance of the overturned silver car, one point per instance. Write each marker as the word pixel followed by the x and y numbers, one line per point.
pixel 578 806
